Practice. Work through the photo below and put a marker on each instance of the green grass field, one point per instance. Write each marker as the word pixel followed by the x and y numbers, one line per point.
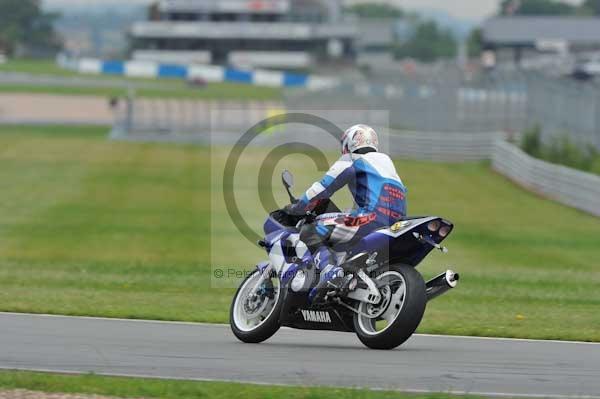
pixel 163 88
pixel 168 389
pixel 177 90
pixel 35 67
pixel 92 227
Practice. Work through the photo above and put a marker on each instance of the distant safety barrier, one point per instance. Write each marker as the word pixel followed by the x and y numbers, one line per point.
pixel 195 120
pixel 204 73
pixel 568 186
pixel 443 146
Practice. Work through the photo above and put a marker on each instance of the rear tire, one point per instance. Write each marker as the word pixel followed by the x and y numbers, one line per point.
pixel 406 309
pixel 263 330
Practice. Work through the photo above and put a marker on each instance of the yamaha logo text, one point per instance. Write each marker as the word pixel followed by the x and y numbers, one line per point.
pixel 316 316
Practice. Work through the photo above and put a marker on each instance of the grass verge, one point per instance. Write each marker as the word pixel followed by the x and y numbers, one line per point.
pixel 35 67
pixel 92 227
pixel 155 388
pixel 216 91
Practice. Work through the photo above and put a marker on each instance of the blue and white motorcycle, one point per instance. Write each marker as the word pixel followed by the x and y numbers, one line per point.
pixel 382 298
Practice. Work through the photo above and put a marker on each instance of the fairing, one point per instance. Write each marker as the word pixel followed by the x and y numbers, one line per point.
pixel 394 244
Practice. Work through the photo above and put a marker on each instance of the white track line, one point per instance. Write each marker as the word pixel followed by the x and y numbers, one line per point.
pixel 191 323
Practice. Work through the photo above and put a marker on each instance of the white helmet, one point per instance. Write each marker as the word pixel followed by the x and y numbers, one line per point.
pixel 359 136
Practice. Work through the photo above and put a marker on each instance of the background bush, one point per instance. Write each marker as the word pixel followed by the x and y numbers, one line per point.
pixel 561 150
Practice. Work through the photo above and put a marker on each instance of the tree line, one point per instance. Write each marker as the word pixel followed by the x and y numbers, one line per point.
pixel 430 41
pixel 25 28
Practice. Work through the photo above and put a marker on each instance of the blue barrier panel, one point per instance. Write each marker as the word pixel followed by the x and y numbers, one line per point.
pixel 177 71
pixel 172 71
pixel 113 67
pixel 234 75
pixel 292 79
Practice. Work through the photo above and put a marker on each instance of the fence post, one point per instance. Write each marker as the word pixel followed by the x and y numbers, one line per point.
pixel 596 126
pixel 129 101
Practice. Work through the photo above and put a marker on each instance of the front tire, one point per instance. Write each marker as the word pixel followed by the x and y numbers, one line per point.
pixel 395 319
pixel 254 316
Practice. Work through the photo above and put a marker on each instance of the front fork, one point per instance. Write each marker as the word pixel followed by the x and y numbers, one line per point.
pixel 265 269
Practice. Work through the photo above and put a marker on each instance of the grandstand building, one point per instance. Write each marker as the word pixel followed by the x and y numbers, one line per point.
pixel 288 34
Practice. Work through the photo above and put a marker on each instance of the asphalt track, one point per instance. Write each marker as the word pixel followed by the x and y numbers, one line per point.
pixel 493 367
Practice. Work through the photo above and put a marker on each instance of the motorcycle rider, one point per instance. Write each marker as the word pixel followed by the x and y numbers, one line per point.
pixel 379 195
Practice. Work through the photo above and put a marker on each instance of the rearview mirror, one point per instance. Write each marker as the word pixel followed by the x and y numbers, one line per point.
pixel 287 178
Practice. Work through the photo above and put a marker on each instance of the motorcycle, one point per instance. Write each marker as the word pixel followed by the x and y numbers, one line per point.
pixel 382 299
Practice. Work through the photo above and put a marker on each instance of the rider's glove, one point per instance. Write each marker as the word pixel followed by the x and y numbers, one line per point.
pixel 294 210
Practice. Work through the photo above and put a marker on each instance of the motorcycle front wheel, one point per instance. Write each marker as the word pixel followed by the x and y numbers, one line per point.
pixel 391 322
pixel 254 313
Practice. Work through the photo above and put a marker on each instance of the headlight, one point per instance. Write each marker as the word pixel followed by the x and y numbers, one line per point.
pixel 433 226
pixel 444 231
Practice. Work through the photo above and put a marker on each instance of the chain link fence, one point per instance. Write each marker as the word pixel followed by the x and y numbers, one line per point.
pixel 185 120
pixel 564 106
pixel 225 123
pixel 452 101
pixel 444 100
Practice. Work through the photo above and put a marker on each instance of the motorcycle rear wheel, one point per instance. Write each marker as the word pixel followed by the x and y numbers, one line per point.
pixel 395 319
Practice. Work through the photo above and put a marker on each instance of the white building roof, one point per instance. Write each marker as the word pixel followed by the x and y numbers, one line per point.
pixel 235 6
pixel 236 30
pixel 529 30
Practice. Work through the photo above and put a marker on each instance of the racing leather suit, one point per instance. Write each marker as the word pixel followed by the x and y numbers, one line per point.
pixel 380 200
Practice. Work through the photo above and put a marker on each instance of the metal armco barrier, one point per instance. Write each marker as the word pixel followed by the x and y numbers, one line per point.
pixel 567 186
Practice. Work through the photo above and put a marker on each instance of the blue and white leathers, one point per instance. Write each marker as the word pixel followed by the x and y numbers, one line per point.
pixel 379 195
pixel 373 183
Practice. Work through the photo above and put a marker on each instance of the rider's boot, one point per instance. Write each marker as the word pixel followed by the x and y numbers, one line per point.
pixel 332 276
